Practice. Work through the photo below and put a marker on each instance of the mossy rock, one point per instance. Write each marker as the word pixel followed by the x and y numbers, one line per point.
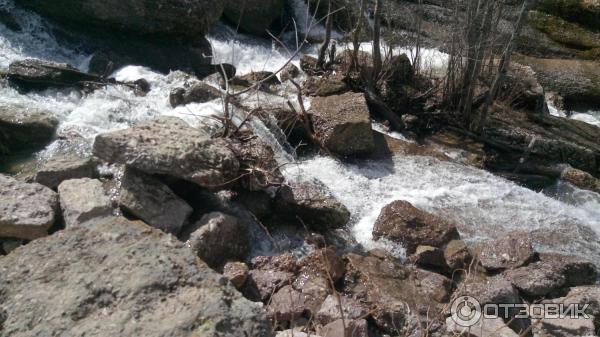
pixel 564 32
pixel 592 54
pixel 584 12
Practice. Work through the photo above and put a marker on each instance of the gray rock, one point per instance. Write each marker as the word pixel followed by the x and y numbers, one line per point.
pixel 148 199
pixel 27 211
pixel 258 167
pixel 330 309
pixel 220 238
pixel 565 327
pixel 174 17
pixel 537 279
pixel 168 145
pixel 8 245
pixel 197 93
pixel 512 251
pixel 403 223
pixel 345 328
pixel 23 128
pixel 253 16
pixel 491 327
pixel 82 200
pixel 289 72
pixel 58 169
pixel 343 124
pixel 262 284
pixel 313 203
pixel 457 255
pixel 295 333
pixel 38 74
pixel 119 278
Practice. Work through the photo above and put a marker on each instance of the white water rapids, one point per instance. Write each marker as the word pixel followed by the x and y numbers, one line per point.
pixel 564 219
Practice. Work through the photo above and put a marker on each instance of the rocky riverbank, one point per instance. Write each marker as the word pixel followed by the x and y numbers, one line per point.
pixel 165 227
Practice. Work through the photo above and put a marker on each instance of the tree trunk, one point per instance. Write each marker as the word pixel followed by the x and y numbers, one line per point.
pixel 377 62
pixel 325 45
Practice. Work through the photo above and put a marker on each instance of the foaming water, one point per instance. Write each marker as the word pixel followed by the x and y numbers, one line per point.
pixel 482 205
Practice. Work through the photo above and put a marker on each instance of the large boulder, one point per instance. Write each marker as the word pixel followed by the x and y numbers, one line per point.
pixel 27 211
pixel 148 199
pixel 343 125
pixel 162 17
pixel 38 74
pixel 258 167
pixel 403 223
pixel 23 128
pixel 119 278
pixel 313 203
pixel 220 238
pixel 82 200
pixel 585 12
pixel 253 16
pixel 197 93
pixel 168 145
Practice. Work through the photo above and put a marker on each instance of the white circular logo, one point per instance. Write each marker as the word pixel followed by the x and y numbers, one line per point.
pixel 465 311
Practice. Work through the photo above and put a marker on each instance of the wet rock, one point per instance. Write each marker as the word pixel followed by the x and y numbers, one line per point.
pixel 581 179
pixel 428 256
pixel 253 16
pixel 512 251
pixel 324 261
pixel 403 223
pixel 168 145
pixel 345 328
pixel 175 18
pixel 236 273
pixel 220 238
pixel 93 280
pixel 330 309
pixel 324 86
pixel 488 327
pixel 343 125
pixel 457 255
pixel 313 203
pixel 289 72
pixel 259 203
pixel 58 169
pixel 287 304
pixel 285 262
pixel 23 128
pixel 148 199
pixel 262 284
pixel 197 93
pixel 308 63
pixel 27 211
pixel 564 32
pixel 288 122
pixel 38 74
pixel 315 286
pixel 258 167
pixel 82 200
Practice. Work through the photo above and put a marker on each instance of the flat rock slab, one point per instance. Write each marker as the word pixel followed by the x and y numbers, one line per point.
pixel 119 278
pixel 168 145
pixel 24 127
pixel 27 211
pixel 82 200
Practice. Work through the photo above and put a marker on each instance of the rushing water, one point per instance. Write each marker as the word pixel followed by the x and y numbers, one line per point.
pixel 563 219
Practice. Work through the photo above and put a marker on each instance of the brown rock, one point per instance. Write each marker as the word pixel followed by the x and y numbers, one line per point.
pixel 262 284
pixel 197 93
pixel 345 328
pixel 457 255
pixel 58 169
pixel 325 261
pixel 285 262
pixel 258 167
pixel 428 256
pixel 324 86
pixel 512 251
pixel 432 285
pixel 403 223
pixel 287 304
pixel 236 272
pixel 315 286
